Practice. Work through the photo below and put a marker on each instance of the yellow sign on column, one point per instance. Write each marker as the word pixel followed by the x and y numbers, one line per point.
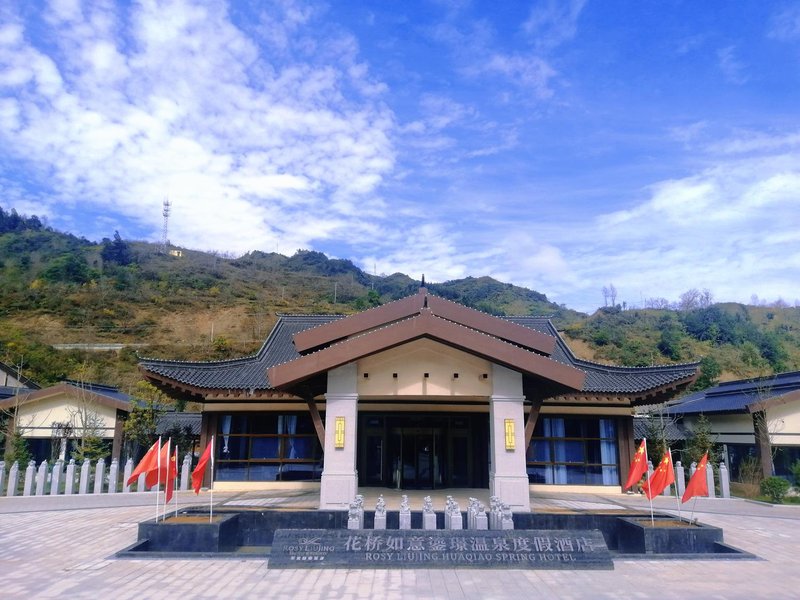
pixel 338 434
pixel 510 437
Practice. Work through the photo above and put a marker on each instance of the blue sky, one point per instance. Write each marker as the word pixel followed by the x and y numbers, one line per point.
pixel 561 145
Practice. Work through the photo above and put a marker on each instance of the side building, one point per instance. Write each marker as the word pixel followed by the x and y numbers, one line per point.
pixel 420 393
pixel 752 419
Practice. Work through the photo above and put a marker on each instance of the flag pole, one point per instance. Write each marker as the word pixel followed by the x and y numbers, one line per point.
pixel 647 462
pixel 174 483
pixel 211 502
pixel 166 476
pixel 677 499
pixel 693 504
pixel 158 470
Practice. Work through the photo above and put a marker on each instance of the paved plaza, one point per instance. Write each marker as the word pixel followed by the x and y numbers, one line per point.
pixel 64 547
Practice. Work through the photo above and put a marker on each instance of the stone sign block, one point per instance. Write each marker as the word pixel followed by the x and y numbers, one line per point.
pixel 529 549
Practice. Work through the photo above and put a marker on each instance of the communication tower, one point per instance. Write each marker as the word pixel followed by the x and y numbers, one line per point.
pixel 165 233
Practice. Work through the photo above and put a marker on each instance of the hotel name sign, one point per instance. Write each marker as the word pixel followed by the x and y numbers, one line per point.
pixel 367 548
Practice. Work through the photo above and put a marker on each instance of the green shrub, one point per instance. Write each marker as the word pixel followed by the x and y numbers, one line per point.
pixel 775 488
pixel 796 472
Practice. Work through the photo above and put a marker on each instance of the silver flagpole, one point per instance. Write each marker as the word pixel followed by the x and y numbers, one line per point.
pixel 174 482
pixel 677 499
pixel 211 503
pixel 158 470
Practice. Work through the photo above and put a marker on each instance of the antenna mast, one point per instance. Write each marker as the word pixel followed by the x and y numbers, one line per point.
pixel 165 233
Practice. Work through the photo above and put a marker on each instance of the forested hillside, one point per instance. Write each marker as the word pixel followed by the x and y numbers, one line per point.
pixel 59 289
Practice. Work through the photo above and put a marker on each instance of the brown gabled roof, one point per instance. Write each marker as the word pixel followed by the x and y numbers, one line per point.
pixel 381 316
pixel 426 324
pixel 89 393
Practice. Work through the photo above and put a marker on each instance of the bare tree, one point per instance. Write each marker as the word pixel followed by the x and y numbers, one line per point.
pixel 656 303
pixel 606 293
pixel 612 292
pixel 690 299
pixel 85 422
pixel 706 298
pixel 765 428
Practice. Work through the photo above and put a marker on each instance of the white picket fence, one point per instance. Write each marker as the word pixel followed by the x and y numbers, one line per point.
pixel 77 479
pixel 723 479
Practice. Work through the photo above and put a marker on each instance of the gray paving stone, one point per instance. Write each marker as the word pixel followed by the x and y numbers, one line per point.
pixel 56 550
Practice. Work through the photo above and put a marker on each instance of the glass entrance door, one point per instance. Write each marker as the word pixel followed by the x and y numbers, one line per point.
pixel 423 450
pixel 417 454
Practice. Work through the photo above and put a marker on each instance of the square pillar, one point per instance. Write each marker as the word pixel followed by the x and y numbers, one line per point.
pixel 508 478
pixel 339 483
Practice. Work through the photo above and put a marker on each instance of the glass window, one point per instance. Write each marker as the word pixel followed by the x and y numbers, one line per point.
pixel 231 471
pixel 572 450
pixel 267 447
pixel 264 423
pixel 263 472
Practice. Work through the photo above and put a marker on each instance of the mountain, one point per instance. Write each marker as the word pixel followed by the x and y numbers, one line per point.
pixel 58 289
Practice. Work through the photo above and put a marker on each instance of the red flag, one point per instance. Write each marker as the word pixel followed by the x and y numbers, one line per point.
pixel 200 469
pixel 158 472
pixel 698 484
pixel 172 472
pixel 147 463
pixel 661 477
pixel 638 465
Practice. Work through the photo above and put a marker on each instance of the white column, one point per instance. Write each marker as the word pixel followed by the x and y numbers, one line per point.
pixel 339 483
pixel 508 478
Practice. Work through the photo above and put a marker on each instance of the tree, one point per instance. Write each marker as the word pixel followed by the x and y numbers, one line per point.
pixel 702 440
pixel 87 425
pixel 659 431
pixel 690 299
pixel 147 405
pixel 117 251
pixel 709 374
pixel 764 428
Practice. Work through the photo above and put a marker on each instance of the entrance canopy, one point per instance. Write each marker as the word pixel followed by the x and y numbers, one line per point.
pixel 301 347
pixel 422 316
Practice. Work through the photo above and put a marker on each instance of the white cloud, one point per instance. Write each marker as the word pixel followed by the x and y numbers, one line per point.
pixel 785 25
pixel 553 22
pixel 734 70
pixel 242 141
pixel 730 228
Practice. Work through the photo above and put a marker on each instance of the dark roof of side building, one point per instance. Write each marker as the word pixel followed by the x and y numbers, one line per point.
pixel 28 383
pixel 7 391
pixel 741 396
pixel 673 431
pixel 104 394
pixel 250 373
pixel 184 420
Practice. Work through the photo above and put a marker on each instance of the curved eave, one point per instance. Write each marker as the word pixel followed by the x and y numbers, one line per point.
pixel 175 388
pixel 427 325
pixel 387 314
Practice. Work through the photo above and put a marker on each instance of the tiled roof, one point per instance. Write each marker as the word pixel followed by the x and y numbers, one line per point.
pixel 605 378
pixel 673 431
pixel 737 396
pixel 104 394
pixel 28 383
pixel 183 420
pixel 250 373
pixel 247 373
pixel 7 391
pixel 109 391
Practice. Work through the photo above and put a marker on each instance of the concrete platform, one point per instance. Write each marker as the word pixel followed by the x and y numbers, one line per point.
pixel 64 551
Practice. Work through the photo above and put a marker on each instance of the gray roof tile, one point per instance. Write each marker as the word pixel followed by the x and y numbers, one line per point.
pixel 250 372
pixel 736 396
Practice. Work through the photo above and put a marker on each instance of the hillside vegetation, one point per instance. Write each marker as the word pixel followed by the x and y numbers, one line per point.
pixel 60 289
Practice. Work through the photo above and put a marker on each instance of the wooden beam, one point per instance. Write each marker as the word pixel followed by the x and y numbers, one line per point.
pixel 318 424
pixel 530 424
